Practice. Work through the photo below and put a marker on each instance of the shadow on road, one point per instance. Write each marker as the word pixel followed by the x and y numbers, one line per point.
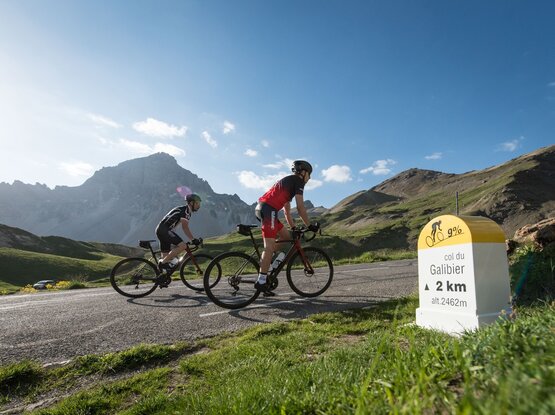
pixel 173 301
pixel 298 307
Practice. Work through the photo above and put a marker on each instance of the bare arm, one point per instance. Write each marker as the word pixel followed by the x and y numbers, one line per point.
pixel 299 199
pixel 186 230
pixel 288 217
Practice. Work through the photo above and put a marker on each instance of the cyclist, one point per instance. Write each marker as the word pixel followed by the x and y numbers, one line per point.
pixel 277 198
pixel 166 235
pixel 435 227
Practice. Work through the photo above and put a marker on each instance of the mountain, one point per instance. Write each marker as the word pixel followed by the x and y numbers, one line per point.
pixel 391 214
pixel 21 240
pixel 119 204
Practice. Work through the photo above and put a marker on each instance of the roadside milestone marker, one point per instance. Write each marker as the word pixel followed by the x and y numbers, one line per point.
pixel 463 274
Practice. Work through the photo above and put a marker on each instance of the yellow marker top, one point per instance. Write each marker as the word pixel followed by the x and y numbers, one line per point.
pixel 454 230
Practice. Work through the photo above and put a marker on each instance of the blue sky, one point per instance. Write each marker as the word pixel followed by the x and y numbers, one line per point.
pixel 235 90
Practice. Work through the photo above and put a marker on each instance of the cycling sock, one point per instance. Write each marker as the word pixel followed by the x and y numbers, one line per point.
pixel 261 278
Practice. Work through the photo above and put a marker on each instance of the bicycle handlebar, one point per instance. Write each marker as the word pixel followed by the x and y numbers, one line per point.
pixel 192 247
pixel 302 230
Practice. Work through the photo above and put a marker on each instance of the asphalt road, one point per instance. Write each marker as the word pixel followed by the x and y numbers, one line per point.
pixel 57 326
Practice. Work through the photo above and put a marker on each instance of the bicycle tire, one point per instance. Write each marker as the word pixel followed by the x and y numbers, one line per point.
pixel 310 285
pixel 134 277
pixel 190 274
pixel 229 280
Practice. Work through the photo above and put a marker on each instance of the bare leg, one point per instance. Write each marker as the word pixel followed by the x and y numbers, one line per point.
pixel 270 246
pixel 173 253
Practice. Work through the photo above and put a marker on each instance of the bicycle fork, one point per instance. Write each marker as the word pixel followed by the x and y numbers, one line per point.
pixel 308 270
pixel 235 280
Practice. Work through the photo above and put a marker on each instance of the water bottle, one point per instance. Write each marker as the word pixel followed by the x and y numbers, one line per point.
pixel 174 262
pixel 277 261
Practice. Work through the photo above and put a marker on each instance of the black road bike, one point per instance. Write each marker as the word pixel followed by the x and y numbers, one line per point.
pixel 229 279
pixel 138 277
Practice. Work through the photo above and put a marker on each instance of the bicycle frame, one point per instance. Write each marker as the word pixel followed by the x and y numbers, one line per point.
pixel 188 254
pixel 295 247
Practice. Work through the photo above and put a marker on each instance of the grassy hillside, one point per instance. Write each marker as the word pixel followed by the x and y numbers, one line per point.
pixel 26 258
pixel 392 214
pixel 18 267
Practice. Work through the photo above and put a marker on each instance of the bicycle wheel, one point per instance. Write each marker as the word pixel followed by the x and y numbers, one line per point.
pixel 134 277
pixel 192 272
pixel 229 280
pixel 306 282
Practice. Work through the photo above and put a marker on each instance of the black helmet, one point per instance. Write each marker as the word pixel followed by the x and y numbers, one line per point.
pixel 299 165
pixel 193 197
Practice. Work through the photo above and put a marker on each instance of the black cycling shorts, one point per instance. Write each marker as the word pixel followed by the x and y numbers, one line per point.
pixel 167 237
pixel 269 218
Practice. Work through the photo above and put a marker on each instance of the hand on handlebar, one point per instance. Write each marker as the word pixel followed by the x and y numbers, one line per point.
pixel 196 241
pixel 314 227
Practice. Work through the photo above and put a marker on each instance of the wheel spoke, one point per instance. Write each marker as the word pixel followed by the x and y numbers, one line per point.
pixel 134 277
pixel 192 271
pixel 229 280
pixel 310 274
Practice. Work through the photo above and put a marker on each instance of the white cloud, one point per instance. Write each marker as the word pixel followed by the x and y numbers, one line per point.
pixel 284 163
pixel 380 167
pixel 141 148
pixel 155 128
pixel 552 84
pixel 434 156
pixel 251 180
pixel 511 145
pixel 276 165
pixel 336 173
pixel 265 143
pixel 228 127
pixel 168 148
pixel 208 138
pixel 313 184
pixel 77 169
pixel 251 153
pixel 102 121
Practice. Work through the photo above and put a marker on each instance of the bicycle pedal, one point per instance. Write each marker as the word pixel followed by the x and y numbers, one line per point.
pixel 164 282
pixel 268 293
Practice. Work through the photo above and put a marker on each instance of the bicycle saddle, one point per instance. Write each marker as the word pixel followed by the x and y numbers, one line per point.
pixel 145 244
pixel 245 229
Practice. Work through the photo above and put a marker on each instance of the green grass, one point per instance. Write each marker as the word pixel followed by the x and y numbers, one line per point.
pixel 532 273
pixel 18 267
pixel 370 361
pixel 7 288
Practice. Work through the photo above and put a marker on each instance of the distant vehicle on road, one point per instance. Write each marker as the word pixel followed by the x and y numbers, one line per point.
pixel 41 285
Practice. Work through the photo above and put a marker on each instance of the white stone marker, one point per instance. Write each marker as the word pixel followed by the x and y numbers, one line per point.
pixel 463 274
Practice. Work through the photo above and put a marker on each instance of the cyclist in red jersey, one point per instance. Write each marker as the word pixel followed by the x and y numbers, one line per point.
pixel 277 198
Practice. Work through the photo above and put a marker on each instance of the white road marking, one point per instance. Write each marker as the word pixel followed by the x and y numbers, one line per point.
pixel 55 300
pixel 361 269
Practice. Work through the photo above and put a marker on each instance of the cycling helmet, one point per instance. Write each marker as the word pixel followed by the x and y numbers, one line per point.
pixel 193 197
pixel 299 165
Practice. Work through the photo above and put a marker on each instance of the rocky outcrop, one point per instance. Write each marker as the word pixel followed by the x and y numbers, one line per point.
pixel 540 234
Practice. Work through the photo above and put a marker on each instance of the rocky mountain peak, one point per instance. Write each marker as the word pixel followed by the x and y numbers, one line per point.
pixel 120 204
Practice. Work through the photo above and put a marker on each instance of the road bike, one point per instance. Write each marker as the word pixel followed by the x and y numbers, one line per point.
pixel 137 277
pixel 229 279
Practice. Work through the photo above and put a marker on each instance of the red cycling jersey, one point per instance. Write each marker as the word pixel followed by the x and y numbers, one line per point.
pixel 283 191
